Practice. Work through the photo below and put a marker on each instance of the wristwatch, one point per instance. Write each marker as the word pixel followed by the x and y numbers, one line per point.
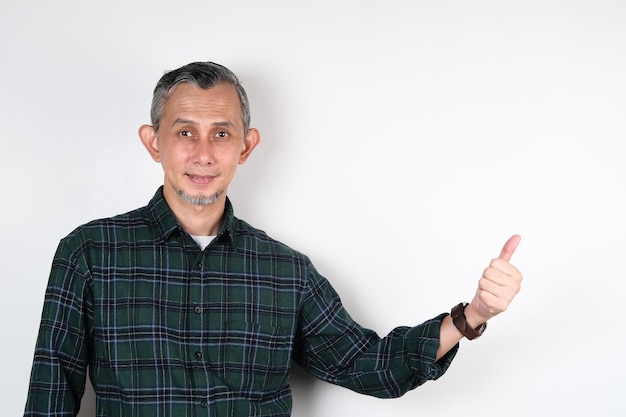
pixel 458 318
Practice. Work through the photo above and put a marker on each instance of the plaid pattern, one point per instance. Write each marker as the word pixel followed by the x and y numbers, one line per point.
pixel 166 329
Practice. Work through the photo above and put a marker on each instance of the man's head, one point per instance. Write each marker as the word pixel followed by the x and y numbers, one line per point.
pixel 200 74
pixel 200 133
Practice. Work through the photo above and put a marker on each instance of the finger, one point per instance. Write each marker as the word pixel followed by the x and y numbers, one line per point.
pixel 503 266
pixel 497 282
pixel 493 303
pixel 509 247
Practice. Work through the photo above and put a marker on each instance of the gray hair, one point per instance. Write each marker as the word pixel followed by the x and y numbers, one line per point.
pixel 200 74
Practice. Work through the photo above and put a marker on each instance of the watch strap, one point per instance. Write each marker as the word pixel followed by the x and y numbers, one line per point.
pixel 460 322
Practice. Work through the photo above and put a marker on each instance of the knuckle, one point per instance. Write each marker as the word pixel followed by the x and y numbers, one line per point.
pixel 482 282
pixel 488 272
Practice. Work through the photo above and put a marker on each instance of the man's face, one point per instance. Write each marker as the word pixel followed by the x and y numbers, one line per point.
pixel 199 144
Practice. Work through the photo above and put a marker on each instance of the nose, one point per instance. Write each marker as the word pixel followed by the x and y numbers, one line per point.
pixel 204 152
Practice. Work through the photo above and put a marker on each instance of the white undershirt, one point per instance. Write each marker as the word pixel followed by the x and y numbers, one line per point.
pixel 203 241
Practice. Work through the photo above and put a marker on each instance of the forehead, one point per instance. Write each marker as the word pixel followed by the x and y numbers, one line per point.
pixel 220 100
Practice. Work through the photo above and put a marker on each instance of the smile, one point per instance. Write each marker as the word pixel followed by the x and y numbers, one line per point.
pixel 200 179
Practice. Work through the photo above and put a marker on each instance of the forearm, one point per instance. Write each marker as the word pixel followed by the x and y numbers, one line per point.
pixel 383 367
pixel 449 335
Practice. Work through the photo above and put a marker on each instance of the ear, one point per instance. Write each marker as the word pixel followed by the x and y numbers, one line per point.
pixel 149 140
pixel 249 143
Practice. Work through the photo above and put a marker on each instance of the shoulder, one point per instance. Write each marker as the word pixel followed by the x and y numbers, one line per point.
pixel 109 231
pixel 251 238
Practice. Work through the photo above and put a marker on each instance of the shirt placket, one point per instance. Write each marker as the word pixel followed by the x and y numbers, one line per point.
pixel 196 323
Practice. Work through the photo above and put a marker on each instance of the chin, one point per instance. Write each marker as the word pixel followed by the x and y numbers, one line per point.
pixel 199 199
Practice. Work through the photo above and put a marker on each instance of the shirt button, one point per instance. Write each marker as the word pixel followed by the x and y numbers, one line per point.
pixel 203 403
pixel 198 309
pixel 199 355
pixel 199 265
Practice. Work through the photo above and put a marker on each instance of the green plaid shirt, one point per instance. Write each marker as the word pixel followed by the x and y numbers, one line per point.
pixel 167 329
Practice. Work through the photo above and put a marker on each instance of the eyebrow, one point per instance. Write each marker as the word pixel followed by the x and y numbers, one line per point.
pixel 183 121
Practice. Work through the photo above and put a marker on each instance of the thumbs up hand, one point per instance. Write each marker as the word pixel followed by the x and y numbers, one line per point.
pixel 498 285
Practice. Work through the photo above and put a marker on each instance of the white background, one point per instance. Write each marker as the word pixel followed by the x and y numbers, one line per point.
pixel 402 143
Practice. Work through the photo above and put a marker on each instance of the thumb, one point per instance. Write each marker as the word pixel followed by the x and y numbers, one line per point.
pixel 509 247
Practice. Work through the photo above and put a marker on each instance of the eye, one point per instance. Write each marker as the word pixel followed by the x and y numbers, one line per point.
pixel 185 133
pixel 222 135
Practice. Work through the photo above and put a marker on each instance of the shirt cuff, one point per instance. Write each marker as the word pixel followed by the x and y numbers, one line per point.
pixel 427 336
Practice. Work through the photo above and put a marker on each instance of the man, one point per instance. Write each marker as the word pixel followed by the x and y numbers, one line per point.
pixel 181 309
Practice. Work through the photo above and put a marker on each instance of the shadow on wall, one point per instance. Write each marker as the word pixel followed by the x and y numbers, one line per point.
pixel 88 403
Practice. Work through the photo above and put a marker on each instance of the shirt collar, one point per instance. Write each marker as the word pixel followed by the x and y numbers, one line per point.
pixel 165 222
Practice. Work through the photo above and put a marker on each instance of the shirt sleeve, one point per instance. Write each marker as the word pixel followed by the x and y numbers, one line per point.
pixel 333 347
pixel 58 373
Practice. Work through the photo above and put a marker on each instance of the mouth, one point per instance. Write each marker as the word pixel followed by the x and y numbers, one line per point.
pixel 200 179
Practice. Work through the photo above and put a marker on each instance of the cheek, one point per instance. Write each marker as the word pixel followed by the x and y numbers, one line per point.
pixel 174 155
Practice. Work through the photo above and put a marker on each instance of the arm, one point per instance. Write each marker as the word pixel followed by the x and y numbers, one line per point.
pixel 333 347
pixel 59 367
pixel 497 287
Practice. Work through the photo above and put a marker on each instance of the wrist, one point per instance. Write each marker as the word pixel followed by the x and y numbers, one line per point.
pixel 473 318
pixel 467 328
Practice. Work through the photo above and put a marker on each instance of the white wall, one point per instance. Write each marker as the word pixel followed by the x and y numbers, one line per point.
pixel 403 142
